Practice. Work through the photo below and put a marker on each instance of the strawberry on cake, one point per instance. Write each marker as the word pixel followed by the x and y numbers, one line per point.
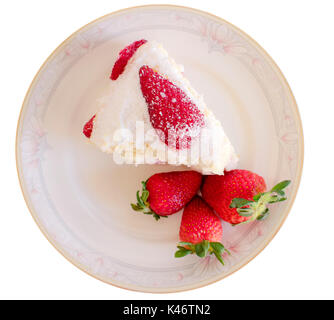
pixel 151 114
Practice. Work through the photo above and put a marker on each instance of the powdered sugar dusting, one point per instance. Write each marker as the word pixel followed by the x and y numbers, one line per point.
pixel 179 121
pixel 124 106
pixel 124 56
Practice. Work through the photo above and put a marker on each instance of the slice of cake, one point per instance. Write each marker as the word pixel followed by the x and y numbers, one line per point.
pixel 151 114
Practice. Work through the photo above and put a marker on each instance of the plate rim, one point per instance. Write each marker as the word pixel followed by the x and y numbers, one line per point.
pixel 137 288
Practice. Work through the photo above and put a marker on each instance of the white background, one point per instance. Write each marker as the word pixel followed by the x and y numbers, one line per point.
pixel 298 263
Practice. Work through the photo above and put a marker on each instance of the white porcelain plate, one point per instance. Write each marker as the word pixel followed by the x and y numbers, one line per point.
pixel 81 200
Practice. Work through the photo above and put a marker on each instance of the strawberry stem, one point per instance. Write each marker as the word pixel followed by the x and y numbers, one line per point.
pixel 142 204
pixel 201 249
pixel 257 209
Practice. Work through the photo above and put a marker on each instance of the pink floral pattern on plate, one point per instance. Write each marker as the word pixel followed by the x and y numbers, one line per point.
pixel 220 37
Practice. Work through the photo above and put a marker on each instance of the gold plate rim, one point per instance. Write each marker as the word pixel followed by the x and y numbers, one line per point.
pixel 152 289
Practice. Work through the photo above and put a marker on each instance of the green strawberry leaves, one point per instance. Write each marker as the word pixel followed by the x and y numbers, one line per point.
pixel 280 186
pixel 256 209
pixel 218 249
pixel 142 204
pixel 239 202
pixel 181 252
pixel 201 249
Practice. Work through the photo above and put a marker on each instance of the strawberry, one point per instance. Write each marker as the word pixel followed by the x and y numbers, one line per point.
pixel 172 114
pixel 239 196
pixel 119 66
pixel 123 58
pixel 166 193
pixel 88 128
pixel 200 231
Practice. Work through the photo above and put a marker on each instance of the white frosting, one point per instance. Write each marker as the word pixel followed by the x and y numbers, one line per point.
pixel 116 122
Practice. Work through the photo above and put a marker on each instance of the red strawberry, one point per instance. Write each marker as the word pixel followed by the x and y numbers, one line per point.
pixel 172 113
pixel 239 196
pixel 166 193
pixel 119 66
pixel 200 231
pixel 123 58
pixel 88 128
